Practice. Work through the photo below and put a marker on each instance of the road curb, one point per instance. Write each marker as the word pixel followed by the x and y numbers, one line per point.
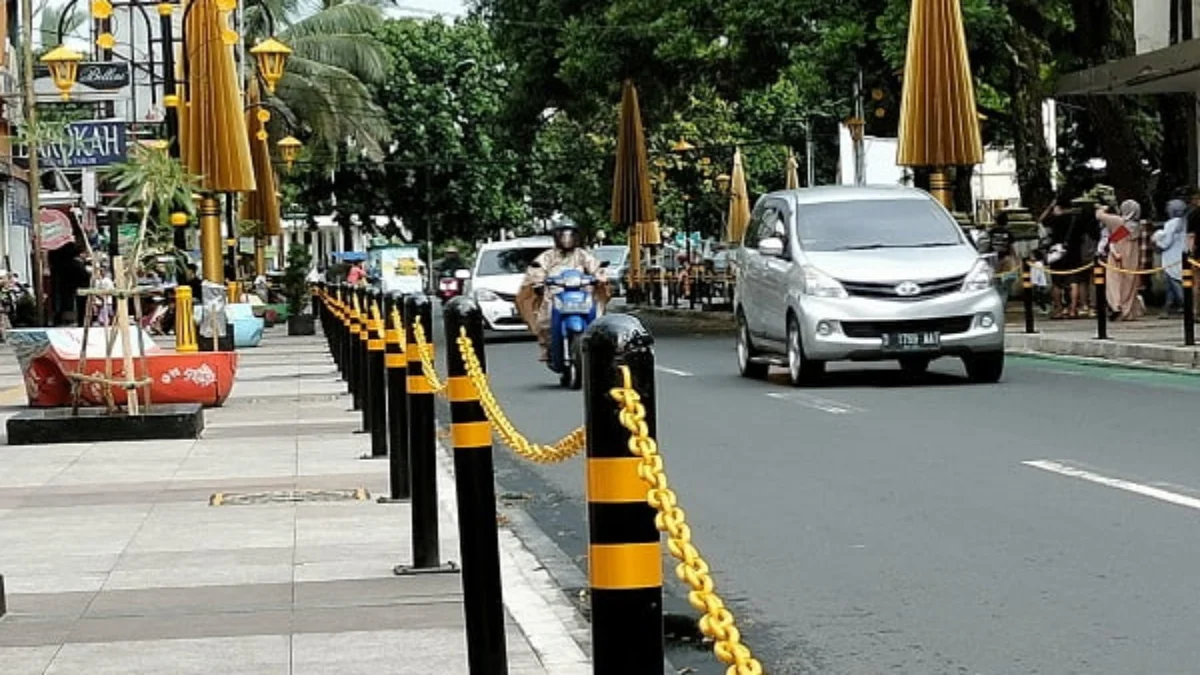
pixel 1180 359
pixel 712 319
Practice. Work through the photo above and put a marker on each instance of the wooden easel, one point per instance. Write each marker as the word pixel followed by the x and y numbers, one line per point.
pixel 117 330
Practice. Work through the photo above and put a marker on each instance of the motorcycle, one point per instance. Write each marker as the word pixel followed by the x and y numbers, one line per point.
pixel 573 309
pixel 450 287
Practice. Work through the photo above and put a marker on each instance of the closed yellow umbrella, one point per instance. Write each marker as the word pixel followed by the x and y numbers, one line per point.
pixel 739 200
pixel 261 205
pixel 939 123
pixel 218 149
pixel 792 178
pixel 632 199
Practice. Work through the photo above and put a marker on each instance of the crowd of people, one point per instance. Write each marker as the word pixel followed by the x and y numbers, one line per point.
pixel 1076 234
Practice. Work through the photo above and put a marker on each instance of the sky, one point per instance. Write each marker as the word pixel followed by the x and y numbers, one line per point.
pixel 449 8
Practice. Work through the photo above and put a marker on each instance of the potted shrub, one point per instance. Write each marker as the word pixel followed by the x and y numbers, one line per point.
pixel 295 287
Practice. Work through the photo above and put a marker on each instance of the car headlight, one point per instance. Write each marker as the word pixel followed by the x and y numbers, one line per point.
pixel 484 295
pixel 821 285
pixel 980 278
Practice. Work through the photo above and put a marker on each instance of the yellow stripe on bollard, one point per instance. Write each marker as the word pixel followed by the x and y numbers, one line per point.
pixel 471 435
pixel 625 566
pixel 460 389
pixel 615 479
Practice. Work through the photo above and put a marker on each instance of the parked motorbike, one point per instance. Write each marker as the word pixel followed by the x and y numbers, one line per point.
pixel 450 287
pixel 573 309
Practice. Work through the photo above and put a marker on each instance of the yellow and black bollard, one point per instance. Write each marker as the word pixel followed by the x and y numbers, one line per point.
pixel 1027 295
pixel 346 334
pixel 397 371
pixel 624 557
pixel 364 392
pixel 1189 292
pixel 377 380
pixel 185 321
pixel 475 486
pixel 1101 301
pixel 422 446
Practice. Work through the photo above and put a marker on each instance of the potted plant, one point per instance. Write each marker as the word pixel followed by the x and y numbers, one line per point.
pixel 295 287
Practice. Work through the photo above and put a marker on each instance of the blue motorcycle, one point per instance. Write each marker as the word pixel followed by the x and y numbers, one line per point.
pixel 573 309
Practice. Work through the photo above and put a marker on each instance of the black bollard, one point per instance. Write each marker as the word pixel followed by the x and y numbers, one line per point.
pixel 377 381
pixel 347 336
pixel 422 446
pixel 1027 296
pixel 3 601
pixel 624 556
pixel 1189 293
pixel 397 371
pixel 1101 301
pixel 475 485
pixel 364 391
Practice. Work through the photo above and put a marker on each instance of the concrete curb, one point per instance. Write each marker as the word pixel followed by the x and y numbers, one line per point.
pixel 1108 350
pixel 714 319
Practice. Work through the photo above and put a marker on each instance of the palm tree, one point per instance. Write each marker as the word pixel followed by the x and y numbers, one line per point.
pixel 335 60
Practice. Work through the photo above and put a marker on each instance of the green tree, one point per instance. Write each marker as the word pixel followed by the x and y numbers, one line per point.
pixel 336 59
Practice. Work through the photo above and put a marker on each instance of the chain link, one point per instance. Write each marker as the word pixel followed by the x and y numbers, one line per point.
pixel 566 448
pixel 717 622
pixel 428 368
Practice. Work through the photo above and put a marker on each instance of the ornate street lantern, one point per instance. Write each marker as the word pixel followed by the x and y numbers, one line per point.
pixel 289 147
pixel 271 55
pixel 64 68
pixel 682 146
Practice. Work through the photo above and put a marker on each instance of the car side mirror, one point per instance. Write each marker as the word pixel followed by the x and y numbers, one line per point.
pixel 771 246
pixel 462 274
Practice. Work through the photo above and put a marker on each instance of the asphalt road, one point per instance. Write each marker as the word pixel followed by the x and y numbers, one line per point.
pixel 881 524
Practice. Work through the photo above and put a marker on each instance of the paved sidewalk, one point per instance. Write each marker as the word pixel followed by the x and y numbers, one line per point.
pixel 1150 341
pixel 115 561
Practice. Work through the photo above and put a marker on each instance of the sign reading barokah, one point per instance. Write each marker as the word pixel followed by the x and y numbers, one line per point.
pixel 81 144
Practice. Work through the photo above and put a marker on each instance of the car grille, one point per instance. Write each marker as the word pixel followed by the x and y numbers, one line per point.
pixel 872 329
pixel 506 296
pixel 929 289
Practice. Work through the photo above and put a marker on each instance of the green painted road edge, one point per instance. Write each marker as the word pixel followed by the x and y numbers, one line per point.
pixel 1107 364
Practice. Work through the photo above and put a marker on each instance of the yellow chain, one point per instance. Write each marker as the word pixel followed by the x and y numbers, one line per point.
pixel 429 369
pixel 566 448
pixel 1122 270
pixel 717 623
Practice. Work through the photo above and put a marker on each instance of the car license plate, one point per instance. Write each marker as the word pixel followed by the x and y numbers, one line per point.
pixel 912 342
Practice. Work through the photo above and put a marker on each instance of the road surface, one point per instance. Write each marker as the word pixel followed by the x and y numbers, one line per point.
pixel 1048 524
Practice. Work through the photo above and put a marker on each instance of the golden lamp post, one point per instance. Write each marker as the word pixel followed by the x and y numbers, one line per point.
pixel 63 63
pixel 289 148
pixel 271 55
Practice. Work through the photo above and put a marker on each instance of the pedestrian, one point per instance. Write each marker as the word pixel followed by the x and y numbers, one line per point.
pixel 1007 266
pixel 1041 282
pixel 357 274
pixel 1171 240
pixel 1119 245
pixel 1064 255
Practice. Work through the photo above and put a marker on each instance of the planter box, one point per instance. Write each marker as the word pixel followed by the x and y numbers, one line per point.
pixel 91 425
pixel 302 324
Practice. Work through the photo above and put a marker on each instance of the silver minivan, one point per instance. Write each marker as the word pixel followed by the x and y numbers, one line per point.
pixel 863 274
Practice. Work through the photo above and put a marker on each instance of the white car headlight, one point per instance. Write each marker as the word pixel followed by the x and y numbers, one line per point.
pixel 821 285
pixel 484 295
pixel 980 278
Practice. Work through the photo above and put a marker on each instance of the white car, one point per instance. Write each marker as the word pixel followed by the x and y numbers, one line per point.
pixel 499 270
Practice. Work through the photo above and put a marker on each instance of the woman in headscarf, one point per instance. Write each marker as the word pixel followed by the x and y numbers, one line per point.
pixel 1120 241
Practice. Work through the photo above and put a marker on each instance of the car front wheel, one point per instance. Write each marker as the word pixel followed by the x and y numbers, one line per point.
pixel 984 368
pixel 747 366
pixel 802 371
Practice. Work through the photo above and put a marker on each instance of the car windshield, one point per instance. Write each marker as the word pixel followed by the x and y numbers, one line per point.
pixel 875 224
pixel 613 255
pixel 506 261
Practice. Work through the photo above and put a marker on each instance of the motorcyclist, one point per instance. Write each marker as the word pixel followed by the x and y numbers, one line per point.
pixel 565 255
pixel 451 262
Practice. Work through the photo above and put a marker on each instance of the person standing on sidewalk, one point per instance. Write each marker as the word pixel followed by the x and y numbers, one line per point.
pixel 1120 243
pixel 1064 253
pixel 1170 239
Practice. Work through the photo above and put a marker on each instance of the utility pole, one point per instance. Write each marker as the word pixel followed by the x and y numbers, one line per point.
pixel 35 182
pixel 809 147
pixel 860 163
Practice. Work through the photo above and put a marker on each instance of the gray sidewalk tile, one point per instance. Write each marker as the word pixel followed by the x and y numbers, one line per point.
pixel 26 660
pixel 257 655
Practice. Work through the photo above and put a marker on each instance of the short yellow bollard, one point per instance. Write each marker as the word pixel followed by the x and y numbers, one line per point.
pixel 185 322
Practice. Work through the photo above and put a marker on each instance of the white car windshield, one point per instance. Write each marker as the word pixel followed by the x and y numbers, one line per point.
pixel 506 261
pixel 875 224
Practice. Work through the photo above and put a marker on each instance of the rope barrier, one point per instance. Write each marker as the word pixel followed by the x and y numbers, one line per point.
pixel 718 622
pixel 567 447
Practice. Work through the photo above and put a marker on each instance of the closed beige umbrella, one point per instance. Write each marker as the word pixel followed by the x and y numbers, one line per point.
pixel 632 198
pixel 792 180
pixel 939 123
pixel 218 149
pixel 739 200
